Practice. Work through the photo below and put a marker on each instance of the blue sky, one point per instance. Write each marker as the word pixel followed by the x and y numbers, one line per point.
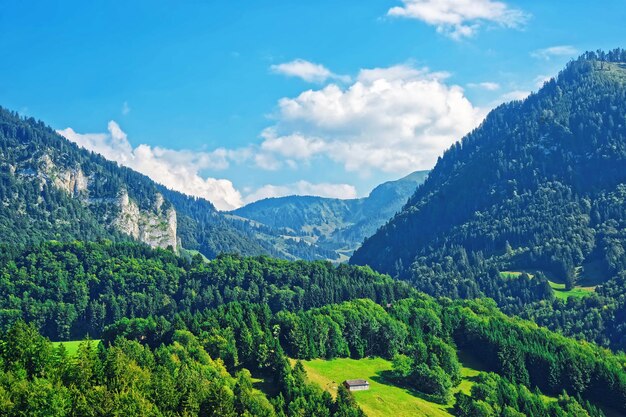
pixel 239 100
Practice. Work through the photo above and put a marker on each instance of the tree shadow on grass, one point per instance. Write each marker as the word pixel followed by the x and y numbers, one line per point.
pixel 264 382
pixel 473 378
pixel 386 378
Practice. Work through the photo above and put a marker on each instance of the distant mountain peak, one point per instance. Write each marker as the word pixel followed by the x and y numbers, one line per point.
pixel 334 226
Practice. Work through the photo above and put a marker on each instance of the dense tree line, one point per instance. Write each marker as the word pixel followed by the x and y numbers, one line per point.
pixel 597 317
pixel 126 378
pixel 72 289
pixel 493 395
pixel 526 354
pixel 420 334
pixel 255 313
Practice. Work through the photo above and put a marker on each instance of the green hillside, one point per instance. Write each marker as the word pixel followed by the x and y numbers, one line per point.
pixel 539 186
pixel 383 398
pixel 172 326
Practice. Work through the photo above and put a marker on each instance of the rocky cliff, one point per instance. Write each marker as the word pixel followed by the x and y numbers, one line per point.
pixel 51 189
pixel 155 227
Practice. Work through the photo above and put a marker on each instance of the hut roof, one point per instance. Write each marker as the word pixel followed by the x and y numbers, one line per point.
pixel 354 382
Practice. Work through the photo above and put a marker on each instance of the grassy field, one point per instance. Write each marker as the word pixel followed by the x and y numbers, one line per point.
pixel 192 252
pixel 470 370
pixel 559 288
pixel 513 274
pixel 562 293
pixel 72 346
pixel 383 398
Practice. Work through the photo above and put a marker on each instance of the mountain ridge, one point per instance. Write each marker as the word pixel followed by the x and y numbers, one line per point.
pixel 54 189
pixel 50 188
pixel 338 225
pixel 547 142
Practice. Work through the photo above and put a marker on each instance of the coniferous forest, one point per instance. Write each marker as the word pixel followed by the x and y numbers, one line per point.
pixel 121 297
pixel 537 189
pixel 182 336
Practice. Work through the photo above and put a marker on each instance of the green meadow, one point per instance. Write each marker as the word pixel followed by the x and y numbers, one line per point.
pixel 72 346
pixel 383 398
pixel 562 293
pixel 558 288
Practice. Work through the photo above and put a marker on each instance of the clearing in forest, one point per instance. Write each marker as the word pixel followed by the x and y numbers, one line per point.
pixel 383 398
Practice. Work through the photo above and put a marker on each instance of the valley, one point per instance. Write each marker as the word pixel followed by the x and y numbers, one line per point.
pixel 336 227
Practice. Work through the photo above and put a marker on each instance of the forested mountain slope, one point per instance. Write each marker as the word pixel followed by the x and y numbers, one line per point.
pixel 82 286
pixel 544 176
pixel 333 224
pixel 52 189
pixel 539 187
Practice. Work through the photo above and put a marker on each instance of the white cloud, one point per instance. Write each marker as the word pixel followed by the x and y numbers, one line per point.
pixel 178 170
pixel 401 72
pixel 460 18
pixel 487 85
pixel 308 71
pixel 513 96
pixel 343 191
pixel 554 51
pixel 267 161
pixel 291 146
pixel 540 80
pixel 125 108
pixel 397 119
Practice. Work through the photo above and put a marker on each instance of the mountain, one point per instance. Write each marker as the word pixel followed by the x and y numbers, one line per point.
pixel 539 186
pixel 381 205
pixel 181 336
pixel 335 226
pixel 52 189
pixel 529 209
